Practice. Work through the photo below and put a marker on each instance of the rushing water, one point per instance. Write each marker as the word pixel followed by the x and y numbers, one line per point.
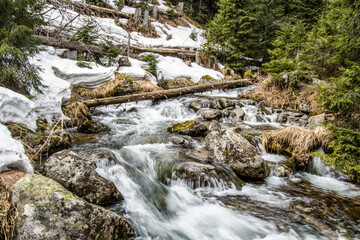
pixel 315 204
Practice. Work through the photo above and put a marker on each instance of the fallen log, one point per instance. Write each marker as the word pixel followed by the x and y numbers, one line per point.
pixel 76 45
pixel 164 94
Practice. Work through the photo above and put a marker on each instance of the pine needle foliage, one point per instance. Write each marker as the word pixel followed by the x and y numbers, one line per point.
pixel 17 44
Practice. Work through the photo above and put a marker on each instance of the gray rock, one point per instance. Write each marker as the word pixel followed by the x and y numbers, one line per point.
pixel 200 155
pixel 237 115
pixel 214 126
pixel 210 114
pixel 46 210
pixel 226 103
pixel 191 128
pixel 216 104
pixel 204 175
pixel 235 151
pixel 305 108
pixel 91 126
pixel 78 176
pixel 199 103
pixel 226 112
pixel 315 121
pixel 96 156
pixel 184 141
pixel 283 171
pixel 282 117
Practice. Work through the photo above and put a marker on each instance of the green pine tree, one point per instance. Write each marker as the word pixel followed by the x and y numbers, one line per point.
pixel 17 20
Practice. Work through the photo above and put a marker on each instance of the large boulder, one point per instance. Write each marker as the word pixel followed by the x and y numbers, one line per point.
pixel 191 128
pixel 79 176
pixel 46 210
pixel 235 151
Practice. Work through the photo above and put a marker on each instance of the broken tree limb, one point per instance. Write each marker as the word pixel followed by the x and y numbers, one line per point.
pixel 73 45
pixel 164 94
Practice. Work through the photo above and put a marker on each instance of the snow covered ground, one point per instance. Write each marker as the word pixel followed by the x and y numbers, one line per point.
pixel 169 37
pixel 12 154
pixel 17 108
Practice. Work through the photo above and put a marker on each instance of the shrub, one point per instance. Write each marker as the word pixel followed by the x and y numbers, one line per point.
pixel 151 59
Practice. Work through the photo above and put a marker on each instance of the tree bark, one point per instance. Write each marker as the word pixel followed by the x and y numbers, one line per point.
pixel 164 94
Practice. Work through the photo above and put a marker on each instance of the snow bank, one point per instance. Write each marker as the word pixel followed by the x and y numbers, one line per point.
pixel 168 68
pixel 12 154
pixel 90 78
pixel 17 108
pixel 175 68
pixel 60 75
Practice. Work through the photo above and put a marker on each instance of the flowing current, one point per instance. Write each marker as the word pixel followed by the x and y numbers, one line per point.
pixel 313 204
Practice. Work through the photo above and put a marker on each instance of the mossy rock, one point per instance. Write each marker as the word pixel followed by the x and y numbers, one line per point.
pixel 46 210
pixel 191 128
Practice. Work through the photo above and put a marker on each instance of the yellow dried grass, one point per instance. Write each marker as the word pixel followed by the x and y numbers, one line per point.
pixel 145 86
pixel 297 142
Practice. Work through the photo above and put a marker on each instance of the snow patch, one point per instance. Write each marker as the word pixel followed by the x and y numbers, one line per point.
pixel 16 108
pixel 175 68
pixel 12 154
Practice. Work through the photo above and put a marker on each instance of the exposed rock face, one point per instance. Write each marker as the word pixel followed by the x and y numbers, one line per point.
pixel 200 155
pixel 46 210
pixel 91 126
pixel 98 155
pixel 210 114
pixel 214 126
pixel 235 151
pixel 204 175
pixel 191 128
pixel 77 175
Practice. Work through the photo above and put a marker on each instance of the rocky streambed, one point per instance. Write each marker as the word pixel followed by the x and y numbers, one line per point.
pixel 192 168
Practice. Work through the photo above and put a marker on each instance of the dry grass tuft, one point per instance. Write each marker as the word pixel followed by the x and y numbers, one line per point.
pixel 7 210
pixel 296 141
pixel 175 83
pixel 284 99
pixel 325 137
pixel 77 112
pixel 145 86
pixel 121 85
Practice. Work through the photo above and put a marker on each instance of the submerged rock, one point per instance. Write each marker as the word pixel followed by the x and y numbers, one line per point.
pixel 91 126
pixel 191 128
pixel 46 210
pixel 204 175
pixel 235 151
pixel 77 175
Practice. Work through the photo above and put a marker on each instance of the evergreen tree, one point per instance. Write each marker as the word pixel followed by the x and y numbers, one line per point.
pixel 342 98
pixel 230 36
pixel 17 20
